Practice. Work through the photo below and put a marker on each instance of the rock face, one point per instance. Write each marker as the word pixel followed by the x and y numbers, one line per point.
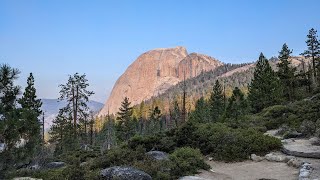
pixel 124 173
pixel 154 72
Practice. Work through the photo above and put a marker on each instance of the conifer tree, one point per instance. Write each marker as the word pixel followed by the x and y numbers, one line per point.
pixel 30 107
pixel 76 94
pixel 201 112
pixel 264 89
pixel 313 51
pixel 286 73
pixel 237 105
pixel 9 115
pixel 125 127
pixel 216 102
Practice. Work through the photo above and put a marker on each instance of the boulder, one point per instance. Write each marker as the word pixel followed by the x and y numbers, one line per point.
pixel 315 141
pixel 123 173
pixel 294 162
pixel 53 165
pixel 256 158
pixel 158 155
pixel 277 157
pixel 305 171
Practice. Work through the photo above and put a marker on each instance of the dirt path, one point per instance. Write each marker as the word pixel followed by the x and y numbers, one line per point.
pixel 249 170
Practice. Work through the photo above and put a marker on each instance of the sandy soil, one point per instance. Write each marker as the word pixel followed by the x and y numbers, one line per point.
pixel 249 170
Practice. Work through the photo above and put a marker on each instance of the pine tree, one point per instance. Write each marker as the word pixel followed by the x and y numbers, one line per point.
pixel 264 89
pixel 201 112
pixel 124 125
pixel 9 116
pixel 77 96
pixel 313 51
pixel 30 113
pixel 61 132
pixel 286 73
pixel 216 102
pixel 237 105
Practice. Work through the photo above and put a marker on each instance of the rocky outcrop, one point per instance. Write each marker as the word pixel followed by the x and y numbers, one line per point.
pixel 153 73
pixel 123 173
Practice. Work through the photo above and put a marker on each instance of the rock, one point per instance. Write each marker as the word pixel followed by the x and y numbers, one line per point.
pixel 315 141
pixel 305 171
pixel 276 157
pixel 154 72
pixel 256 158
pixel 123 173
pixel 210 158
pixel 158 155
pixel 294 162
pixel 53 165
pixel 34 167
pixel 191 178
pixel 2 147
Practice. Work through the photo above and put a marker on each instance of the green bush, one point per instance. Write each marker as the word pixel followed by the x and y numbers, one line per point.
pixel 225 143
pixel 186 161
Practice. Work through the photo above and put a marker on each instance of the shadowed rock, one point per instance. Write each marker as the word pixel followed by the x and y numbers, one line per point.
pixel 123 173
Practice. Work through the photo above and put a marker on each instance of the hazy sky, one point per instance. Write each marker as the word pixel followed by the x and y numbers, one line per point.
pixel 101 38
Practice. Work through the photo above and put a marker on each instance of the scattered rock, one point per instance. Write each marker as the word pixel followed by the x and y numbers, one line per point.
pixel 256 158
pixel 123 173
pixel 315 141
pixel 53 165
pixel 294 162
pixel 277 157
pixel 158 155
pixel 191 178
pixel 210 158
pixel 305 171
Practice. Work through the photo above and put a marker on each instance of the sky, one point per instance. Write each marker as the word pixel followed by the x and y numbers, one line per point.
pixel 54 39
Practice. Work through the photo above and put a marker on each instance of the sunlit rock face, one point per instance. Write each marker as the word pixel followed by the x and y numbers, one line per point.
pixel 154 72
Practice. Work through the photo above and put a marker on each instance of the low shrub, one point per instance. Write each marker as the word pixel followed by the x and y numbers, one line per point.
pixel 186 161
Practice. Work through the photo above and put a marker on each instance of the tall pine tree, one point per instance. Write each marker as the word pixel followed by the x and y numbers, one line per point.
pixel 286 73
pixel 216 102
pixel 30 107
pixel 313 52
pixel 237 105
pixel 125 128
pixel 264 89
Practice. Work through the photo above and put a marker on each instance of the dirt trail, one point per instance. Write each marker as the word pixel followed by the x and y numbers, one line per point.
pixel 249 170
